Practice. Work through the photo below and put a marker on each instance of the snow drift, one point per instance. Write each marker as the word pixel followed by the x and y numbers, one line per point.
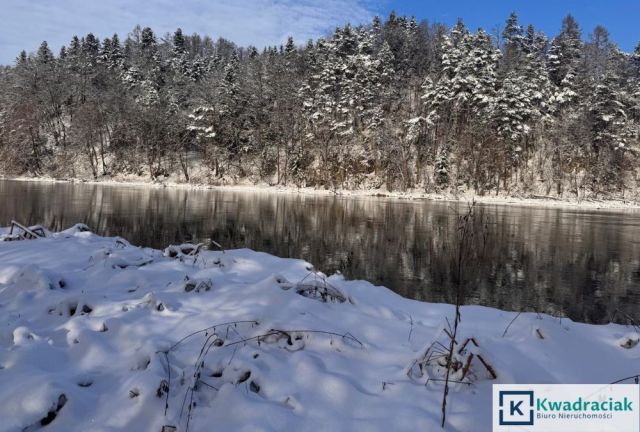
pixel 100 335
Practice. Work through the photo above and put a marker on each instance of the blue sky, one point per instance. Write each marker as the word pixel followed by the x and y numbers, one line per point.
pixel 620 17
pixel 25 23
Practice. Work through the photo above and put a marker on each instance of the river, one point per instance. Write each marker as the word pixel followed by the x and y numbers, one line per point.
pixel 583 264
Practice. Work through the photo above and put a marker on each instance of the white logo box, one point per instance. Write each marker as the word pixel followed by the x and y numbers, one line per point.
pixel 566 408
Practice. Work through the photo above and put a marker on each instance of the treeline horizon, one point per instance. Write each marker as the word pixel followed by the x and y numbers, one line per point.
pixel 397 104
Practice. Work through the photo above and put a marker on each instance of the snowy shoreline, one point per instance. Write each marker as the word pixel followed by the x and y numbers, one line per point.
pixel 107 336
pixel 415 195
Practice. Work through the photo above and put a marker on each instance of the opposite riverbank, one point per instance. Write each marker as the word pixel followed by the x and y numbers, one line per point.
pixel 530 200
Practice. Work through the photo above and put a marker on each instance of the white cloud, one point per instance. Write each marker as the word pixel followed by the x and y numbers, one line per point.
pixel 25 23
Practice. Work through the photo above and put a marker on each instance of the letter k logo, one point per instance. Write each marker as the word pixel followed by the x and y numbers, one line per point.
pixel 515 407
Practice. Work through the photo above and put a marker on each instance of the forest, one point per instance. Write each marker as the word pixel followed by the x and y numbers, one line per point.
pixel 396 105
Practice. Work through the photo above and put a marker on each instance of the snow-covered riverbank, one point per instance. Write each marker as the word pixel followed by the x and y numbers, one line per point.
pixel 100 335
pixel 502 199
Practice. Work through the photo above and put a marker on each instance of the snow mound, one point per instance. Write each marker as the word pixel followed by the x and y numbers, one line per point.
pixel 100 335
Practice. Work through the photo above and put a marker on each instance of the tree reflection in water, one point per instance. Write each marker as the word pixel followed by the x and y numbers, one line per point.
pixel 580 264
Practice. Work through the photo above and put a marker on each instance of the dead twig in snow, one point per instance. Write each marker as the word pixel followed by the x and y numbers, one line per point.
pixel 219 340
pixel 472 232
pixel 512 321
pixel 411 329
pixel 635 378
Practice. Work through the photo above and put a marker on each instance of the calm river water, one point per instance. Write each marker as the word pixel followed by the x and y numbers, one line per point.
pixel 580 264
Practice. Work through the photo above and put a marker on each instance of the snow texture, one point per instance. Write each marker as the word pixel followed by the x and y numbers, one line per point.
pixel 100 335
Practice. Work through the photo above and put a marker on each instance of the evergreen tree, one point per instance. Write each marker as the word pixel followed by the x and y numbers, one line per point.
pixel 178 43
pixel 21 60
pixel 399 103
pixel 116 56
pixel 44 55
pixel 563 61
pixel 91 49
pixel 512 33
pixel 610 130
